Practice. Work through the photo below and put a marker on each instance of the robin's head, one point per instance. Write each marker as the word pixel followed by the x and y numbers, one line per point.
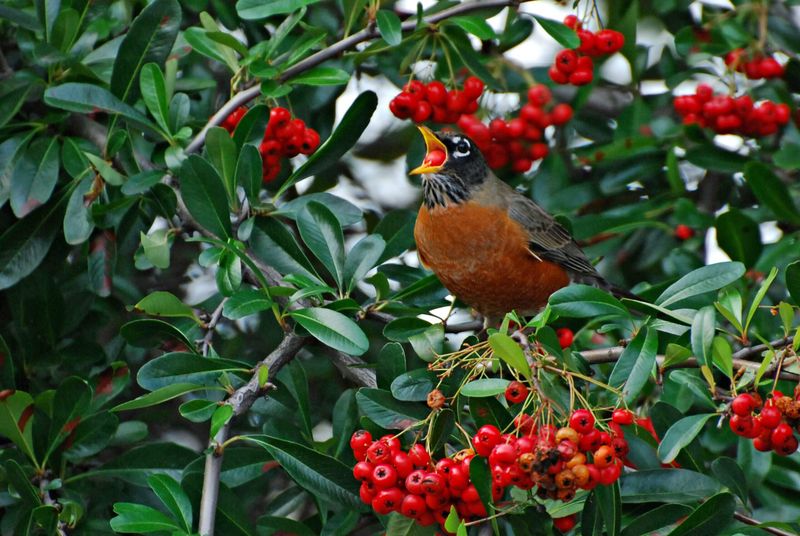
pixel 453 165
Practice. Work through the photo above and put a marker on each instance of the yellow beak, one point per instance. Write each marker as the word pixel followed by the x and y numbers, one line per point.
pixel 436 153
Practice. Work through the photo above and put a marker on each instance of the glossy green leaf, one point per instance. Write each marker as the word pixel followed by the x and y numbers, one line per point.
pixel 793 281
pixel 183 368
pixel 154 93
pixel 484 387
pixel 389 26
pixel 509 351
pixel 151 332
pixel 344 136
pixel 722 355
pixel 21 483
pixel 475 25
pixel 198 410
pixel 414 386
pixel 159 396
pixel 481 478
pixel 35 175
pixel 583 301
pixel 391 363
pixel 91 435
pixel 333 329
pixel 565 37
pixel 166 304
pixel 362 258
pixel 700 281
pixel 666 485
pixel 489 411
pixel 322 233
pixel 73 396
pixel 345 211
pixel 11 409
pixel 169 491
pixel 258 9
pixel 397 230
pixel 222 414
pixel 250 129
pixel 78 223
pixel 327 477
pixel 636 363
pixel 229 273
pixel 738 236
pixel 274 244
pixel 656 518
pixel 138 518
pixel 383 409
pixel 610 506
pixel 702 335
pixel 138 463
pixel 759 297
pixel 249 172
pixel 223 154
pixel 709 518
pixel 321 76
pixel 205 197
pixel 149 39
pixel 681 434
pixel 771 192
pixel 728 472
pixel 245 302
pixel 87 98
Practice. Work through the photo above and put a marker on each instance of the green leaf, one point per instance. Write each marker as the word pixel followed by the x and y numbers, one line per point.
pixel 666 485
pixel 250 129
pixel 275 245
pixel 345 135
pixel 182 367
pixel 583 301
pixel 727 471
pixel 73 396
pixel 322 233
pixel 173 497
pixel 636 364
pixel 283 525
pixel 137 464
pixel 397 230
pixel 382 408
pixel 21 483
pixel 346 212
pixel 221 415
pixel 414 386
pixel 429 344
pixel 657 518
pixel 159 396
pixel 738 236
pixel 391 363
pixel 333 329
pixel 157 247
pixel 198 410
pixel 162 303
pixel 566 37
pixel 223 154
pixel 399 525
pixel 91 436
pixel 610 506
pixel 246 302
pixel 154 93
pixel 509 351
pixel 87 98
pixel 47 12
pixel 713 158
pixel 722 354
pixel 248 172
pixel 205 197
pixel 481 478
pixel 322 76
pixel 326 477
pixel 772 192
pixel 489 411
pixel 403 328
pixel 475 25
pixel 229 273
pixel 362 258
pixel 35 175
pixel 78 223
pixel 389 27
pixel 140 518
pixel 793 281
pixel 702 335
pixel 258 9
pixel 709 518
pixel 759 297
pixel 700 281
pixel 26 242
pixel 149 39
pixel 484 387
pixel 150 332
pixel 681 434
pixel 11 409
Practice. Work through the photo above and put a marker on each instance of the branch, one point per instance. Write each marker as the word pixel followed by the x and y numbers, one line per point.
pixel 370 32
pixel 611 355
pixel 754 522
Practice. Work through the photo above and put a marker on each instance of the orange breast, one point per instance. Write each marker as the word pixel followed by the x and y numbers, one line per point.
pixel 481 255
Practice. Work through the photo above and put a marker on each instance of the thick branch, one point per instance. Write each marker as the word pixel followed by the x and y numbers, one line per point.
pixel 754 522
pixel 336 49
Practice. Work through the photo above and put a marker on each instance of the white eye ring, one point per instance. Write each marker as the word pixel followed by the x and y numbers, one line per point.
pixel 456 152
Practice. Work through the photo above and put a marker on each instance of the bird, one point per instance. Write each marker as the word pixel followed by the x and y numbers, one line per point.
pixel 490 245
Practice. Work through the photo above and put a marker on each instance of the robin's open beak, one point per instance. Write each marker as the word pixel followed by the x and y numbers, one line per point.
pixel 436 153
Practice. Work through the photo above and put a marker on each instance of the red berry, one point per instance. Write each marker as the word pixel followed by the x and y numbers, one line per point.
pixel 433 483
pixel 473 87
pixel 413 506
pixel 456 101
pixel 770 417
pixel 567 61
pixel 360 439
pixel 416 88
pixel 571 21
pixel 457 478
pixel 498 129
pixel 279 117
pixel 521 165
pixel 419 457
pixel 387 500
pixel 539 95
pixel 533 115
pixel 622 416
pixel 538 151
pixel 363 471
pixel 496 156
pixel 564 524
pixel 741 425
pixel 587 42
pixel 565 338
pixel 581 77
pixel 402 463
pixel 436 92
pixel 557 76
pixel 683 232
pixel 561 114
pixel 504 454
pixel 770 68
pixel 781 434
pixel 516 128
pixel 608 41
pixel 516 392
pixel 379 452
pixel 610 474
pixel 423 112
pixel 582 421
pixel 414 482
pixel 762 444
pixel 310 141
pixel 485 439
pixel 384 476
pixel 787 447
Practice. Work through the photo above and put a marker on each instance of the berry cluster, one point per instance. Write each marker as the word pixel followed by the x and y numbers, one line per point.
pixel 731 115
pixel 284 137
pixel 773 427
pixel 575 66
pixel 754 66
pixel 519 140
pixel 557 461
pixel 422 102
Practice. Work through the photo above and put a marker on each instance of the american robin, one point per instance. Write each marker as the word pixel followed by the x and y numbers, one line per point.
pixel 491 246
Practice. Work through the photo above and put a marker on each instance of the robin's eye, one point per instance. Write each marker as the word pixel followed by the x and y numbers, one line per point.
pixel 462 148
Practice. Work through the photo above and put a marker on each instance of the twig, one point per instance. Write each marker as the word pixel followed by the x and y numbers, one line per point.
pixel 211 326
pixel 754 522
pixel 371 32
